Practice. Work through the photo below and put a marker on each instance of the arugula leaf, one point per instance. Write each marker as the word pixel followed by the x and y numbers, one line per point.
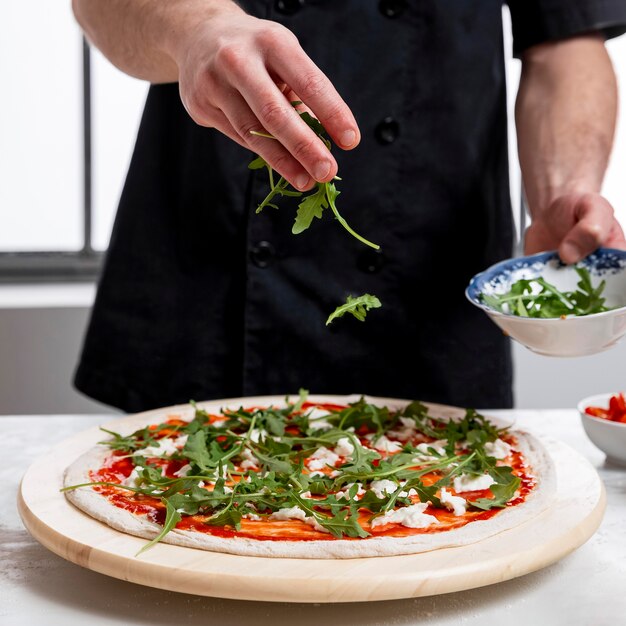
pixel 303 395
pixel 196 450
pixel 358 307
pixel 311 206
pixel 538 298
pixel 344 523
pixel 503 490
pixel 227 517
pixel 172 517
pixel 502 494
pixel 123 444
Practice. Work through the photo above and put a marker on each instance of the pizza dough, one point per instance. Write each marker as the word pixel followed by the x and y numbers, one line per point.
pixel 537 501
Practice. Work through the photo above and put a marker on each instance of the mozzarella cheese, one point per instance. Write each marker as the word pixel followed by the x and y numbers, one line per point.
pixel 249 460
pixel 183 471
pixel 317 421
pixel 412 516
pixel 321 458
pixel 295 512
pixel 133 478
pixel 406 430
pixel 383 444
pixel 344 447
pixel 383 487
pixel 498 449
pixel 466 482
pixel 258 434
pixel 438 446
pixel 163 447
pixel 456 504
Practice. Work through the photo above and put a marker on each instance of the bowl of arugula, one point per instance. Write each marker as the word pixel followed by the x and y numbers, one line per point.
pixel 556 309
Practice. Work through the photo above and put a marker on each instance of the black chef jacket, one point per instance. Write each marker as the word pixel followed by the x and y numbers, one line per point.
pixel 201 298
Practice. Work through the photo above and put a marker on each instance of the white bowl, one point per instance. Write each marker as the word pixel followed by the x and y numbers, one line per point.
pixel 569 337
pixel 609 436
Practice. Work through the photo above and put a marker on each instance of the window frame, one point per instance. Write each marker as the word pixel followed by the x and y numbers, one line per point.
pixel 81 265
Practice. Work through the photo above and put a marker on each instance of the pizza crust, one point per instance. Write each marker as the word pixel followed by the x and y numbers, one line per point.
pixel 537 501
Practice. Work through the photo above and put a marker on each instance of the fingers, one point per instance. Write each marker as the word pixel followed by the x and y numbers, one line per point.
pixel 221 123
pixel 278 117
pixel 317 92
pixel 593 228
pixel 243 120
pixel 616 238
pixel 244 80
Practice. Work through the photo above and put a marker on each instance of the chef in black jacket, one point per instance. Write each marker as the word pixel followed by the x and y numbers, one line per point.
pixel 201 298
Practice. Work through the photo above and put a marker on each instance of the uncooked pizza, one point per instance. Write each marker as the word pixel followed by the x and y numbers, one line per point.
pixel 305 478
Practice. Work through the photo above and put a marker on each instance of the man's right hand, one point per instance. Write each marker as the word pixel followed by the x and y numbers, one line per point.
pixel 239 74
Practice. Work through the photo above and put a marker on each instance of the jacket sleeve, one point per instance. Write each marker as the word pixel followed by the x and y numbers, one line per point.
pixel 540 21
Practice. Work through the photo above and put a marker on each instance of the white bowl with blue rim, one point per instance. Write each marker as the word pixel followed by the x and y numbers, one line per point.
pixel 563 337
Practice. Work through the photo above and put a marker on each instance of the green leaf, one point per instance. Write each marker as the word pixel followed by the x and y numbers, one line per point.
pixel 314 124
pixel 502 494
pixel 343 523
pixel 172 517
pixel 503 490
pixel 258 164
pixel 356 306
pixel 303 394
pixel 196 450
pixel 311 207
pixel 227 517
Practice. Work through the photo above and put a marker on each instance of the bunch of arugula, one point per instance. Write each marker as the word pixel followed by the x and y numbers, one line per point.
pixel 280 439
pixel 323 196
pixel 538 298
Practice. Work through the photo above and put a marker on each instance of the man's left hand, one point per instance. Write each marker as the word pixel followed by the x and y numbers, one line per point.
pixel 576 224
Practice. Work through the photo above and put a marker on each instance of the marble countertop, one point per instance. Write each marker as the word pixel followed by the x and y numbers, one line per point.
pixel 36 586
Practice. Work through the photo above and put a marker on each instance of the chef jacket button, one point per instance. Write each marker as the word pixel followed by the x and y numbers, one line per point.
pixel 387 131
pixel 370 261
pixel 392 8
pixel 288 7
pixel 262 254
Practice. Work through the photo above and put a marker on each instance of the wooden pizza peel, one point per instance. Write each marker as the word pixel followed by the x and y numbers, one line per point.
pixel 576 513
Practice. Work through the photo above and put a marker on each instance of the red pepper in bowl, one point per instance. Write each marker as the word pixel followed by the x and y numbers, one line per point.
pixel 616 411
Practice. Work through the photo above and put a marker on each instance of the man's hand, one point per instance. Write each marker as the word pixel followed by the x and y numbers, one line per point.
pixel 238 74
pixel 575 224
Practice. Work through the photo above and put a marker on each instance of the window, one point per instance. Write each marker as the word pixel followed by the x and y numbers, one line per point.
pixel 66 136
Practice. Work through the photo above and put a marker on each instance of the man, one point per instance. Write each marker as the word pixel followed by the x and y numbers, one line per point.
pixel 201 298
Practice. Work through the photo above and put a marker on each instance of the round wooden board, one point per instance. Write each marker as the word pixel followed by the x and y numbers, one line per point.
pixel 577 512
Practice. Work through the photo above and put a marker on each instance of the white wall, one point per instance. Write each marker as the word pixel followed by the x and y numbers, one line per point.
pixel 39 350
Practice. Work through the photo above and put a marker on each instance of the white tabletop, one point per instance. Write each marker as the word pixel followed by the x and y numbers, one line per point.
pixel 38 587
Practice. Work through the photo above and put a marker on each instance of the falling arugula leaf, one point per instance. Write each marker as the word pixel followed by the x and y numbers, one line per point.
pixel 358 307
pixel 312 206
